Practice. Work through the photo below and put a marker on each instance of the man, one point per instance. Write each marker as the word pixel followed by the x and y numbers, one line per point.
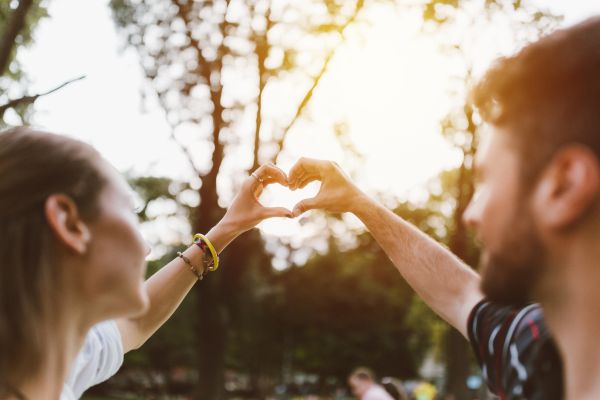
pixel 537 215
pixel 363 385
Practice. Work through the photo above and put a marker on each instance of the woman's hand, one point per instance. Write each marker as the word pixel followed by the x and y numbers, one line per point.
pixel 246 211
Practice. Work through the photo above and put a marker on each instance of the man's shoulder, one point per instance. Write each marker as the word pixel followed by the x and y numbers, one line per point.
pixel 510 343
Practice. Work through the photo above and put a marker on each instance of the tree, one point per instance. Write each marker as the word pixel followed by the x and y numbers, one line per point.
pixel 195 56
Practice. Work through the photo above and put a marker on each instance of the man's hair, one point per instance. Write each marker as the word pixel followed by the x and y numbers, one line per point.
pixel 547 95
pixel 364 374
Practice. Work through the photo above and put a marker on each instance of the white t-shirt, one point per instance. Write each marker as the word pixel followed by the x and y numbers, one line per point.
pixel 100 358
pixel 377 392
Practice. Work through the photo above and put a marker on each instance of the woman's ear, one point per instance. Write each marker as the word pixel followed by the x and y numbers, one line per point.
pixel 65 222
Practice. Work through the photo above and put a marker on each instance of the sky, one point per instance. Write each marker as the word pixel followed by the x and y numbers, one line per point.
pixel 389 82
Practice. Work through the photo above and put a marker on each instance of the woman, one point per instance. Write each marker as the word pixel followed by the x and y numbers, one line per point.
pixel 71 256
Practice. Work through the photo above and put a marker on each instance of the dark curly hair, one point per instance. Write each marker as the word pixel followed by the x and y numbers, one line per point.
pixel 547 95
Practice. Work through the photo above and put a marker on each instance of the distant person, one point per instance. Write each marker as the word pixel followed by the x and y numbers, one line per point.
pixel 395 388
pixel 73 298
pixel 537 213
pixel 363 385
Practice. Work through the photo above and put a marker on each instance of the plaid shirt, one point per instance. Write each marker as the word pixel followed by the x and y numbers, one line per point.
pixel 515 351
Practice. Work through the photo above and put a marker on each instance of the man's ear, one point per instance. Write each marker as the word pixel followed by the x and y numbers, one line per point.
pixel 65 222
pixel 568 187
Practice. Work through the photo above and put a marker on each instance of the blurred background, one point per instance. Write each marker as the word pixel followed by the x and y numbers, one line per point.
pixel 187 97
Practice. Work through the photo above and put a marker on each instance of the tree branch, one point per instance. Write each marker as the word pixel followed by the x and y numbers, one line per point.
pixel 216 95
pixel 317 79
pixel 15 24
pixel 31 99
pixel 184 150
pixel 261 50
pixel 206 69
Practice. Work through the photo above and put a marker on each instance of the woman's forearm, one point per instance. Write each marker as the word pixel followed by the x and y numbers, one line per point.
pixel 167 288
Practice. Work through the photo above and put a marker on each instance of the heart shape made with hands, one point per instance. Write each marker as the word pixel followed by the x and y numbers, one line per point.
pixel 303 184
pixel 275 195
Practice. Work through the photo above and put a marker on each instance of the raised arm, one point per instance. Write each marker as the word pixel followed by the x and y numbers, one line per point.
pixel 443 281
pixel 168 287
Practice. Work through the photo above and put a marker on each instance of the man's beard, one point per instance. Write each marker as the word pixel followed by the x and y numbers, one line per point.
pixel 510 274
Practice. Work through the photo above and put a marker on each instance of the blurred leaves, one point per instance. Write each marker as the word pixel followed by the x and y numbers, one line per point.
pixel 13 82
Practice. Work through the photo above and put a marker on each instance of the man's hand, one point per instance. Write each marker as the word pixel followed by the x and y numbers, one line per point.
pixel 442 280
pixel 337 193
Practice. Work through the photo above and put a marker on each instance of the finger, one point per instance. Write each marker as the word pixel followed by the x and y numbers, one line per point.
pixel 271 212
pixel 270 173
pixel 304 206
pixel 309 166
pixel 296 171
pixel 265 175
pixel 306 180
pixel 294 183
pixel 258 190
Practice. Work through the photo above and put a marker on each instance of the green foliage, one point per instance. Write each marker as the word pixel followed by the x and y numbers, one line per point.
pixel 151 189
pixel 345 309
pixel 37 12
pixel 171 346
pixel 13 82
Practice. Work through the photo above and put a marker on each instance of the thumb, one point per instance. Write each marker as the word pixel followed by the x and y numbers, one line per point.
pixel 270 212
pixel 305 205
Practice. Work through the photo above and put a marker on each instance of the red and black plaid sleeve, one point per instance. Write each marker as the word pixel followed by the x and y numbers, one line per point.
pixel 515 351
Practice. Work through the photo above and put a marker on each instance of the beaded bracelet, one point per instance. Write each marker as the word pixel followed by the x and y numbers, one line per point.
pixel 186 260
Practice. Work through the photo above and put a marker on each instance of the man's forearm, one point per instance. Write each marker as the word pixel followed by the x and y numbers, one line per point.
pixel 166 290
pixel 442 280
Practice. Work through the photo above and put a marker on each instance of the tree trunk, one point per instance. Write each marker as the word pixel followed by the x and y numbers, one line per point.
pixel 211 328
pixel 210 324
pixel 261 54
pixel 211 321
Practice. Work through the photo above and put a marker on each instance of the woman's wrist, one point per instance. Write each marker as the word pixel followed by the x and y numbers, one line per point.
pixel 222 234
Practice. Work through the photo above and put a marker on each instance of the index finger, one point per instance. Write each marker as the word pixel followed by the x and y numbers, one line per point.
pixel 309 166
pixel 270 173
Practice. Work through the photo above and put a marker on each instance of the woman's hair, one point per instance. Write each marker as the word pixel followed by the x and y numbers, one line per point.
pixel 33 166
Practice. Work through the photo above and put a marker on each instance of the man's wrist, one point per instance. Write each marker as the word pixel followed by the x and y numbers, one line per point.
pixel 360 204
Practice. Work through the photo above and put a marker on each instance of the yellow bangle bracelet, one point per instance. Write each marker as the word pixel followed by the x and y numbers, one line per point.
pixel 211 248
